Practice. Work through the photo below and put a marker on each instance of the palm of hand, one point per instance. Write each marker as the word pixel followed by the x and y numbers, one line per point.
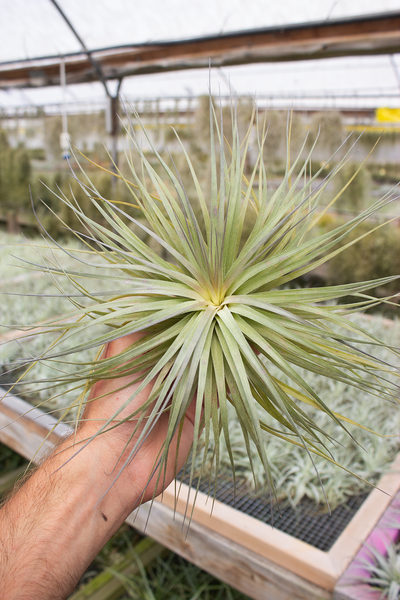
pixel 117 443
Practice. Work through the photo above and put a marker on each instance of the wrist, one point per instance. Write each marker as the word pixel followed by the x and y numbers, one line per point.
pixel 94 464
pixel 59 520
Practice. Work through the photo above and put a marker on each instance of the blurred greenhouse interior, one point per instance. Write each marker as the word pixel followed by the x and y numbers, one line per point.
pixel 334 91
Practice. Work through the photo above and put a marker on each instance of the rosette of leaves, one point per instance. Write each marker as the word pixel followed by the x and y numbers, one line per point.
pixel 213 307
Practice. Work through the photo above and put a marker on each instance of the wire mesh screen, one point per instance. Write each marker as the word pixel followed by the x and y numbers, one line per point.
pixel 307 522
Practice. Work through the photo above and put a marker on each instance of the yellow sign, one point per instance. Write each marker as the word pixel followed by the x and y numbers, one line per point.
pixel 387 115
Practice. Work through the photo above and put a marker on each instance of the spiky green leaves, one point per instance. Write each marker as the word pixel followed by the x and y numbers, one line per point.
pixel 214 314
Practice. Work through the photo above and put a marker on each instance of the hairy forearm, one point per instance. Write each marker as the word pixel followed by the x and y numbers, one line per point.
pixel 56 523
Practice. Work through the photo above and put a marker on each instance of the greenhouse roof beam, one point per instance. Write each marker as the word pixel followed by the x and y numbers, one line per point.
pixel 94 63
pixel 366 35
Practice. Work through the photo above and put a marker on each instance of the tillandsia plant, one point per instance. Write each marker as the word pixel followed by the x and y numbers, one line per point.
pixel 384 571
pixel 214 309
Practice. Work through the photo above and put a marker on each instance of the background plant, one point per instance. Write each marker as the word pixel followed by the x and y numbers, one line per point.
pixel 328 128
pixel 15 173
pixel 384 571
pixel 356 195
pixel 373 256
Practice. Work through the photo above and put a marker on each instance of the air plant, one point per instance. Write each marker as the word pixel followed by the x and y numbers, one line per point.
pixel 384 571
pixel 215 309
pixel 295 477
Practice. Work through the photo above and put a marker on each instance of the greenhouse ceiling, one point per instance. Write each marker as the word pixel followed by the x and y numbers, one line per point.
pixel 150 39
pixel 356 36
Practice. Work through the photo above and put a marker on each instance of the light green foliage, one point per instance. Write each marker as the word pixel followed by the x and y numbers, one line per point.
pixel 374 256
pixel 294 474
pixel 280 123
pixel 28 298
pixel 384 572
pixel 173 578
pixel 243 111
pixel 15 173
pixel 296 478
pixel 196 133
pixel 219 327
pixel 201 124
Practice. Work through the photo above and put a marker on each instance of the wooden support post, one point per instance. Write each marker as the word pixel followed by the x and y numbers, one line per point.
pixel 112 128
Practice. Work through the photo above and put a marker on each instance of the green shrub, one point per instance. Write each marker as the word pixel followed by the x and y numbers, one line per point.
pixel 384 172
pixel 37 153
pixel 15 174
pixel 328 127
pixel 52 130
pixel 9 459
pixel 374 256
pixel 370 137
pixel 355 197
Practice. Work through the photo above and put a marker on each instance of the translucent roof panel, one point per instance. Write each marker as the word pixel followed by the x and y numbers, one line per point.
pixel 33 28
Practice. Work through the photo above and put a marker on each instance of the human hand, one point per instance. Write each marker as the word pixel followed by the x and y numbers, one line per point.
pixel 55 524
pixel 113 446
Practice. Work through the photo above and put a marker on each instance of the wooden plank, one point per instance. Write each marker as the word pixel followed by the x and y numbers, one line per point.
pixel 240 567
pixel 246 531
pixel 350 541
pixel 351 586
pixel 25 428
